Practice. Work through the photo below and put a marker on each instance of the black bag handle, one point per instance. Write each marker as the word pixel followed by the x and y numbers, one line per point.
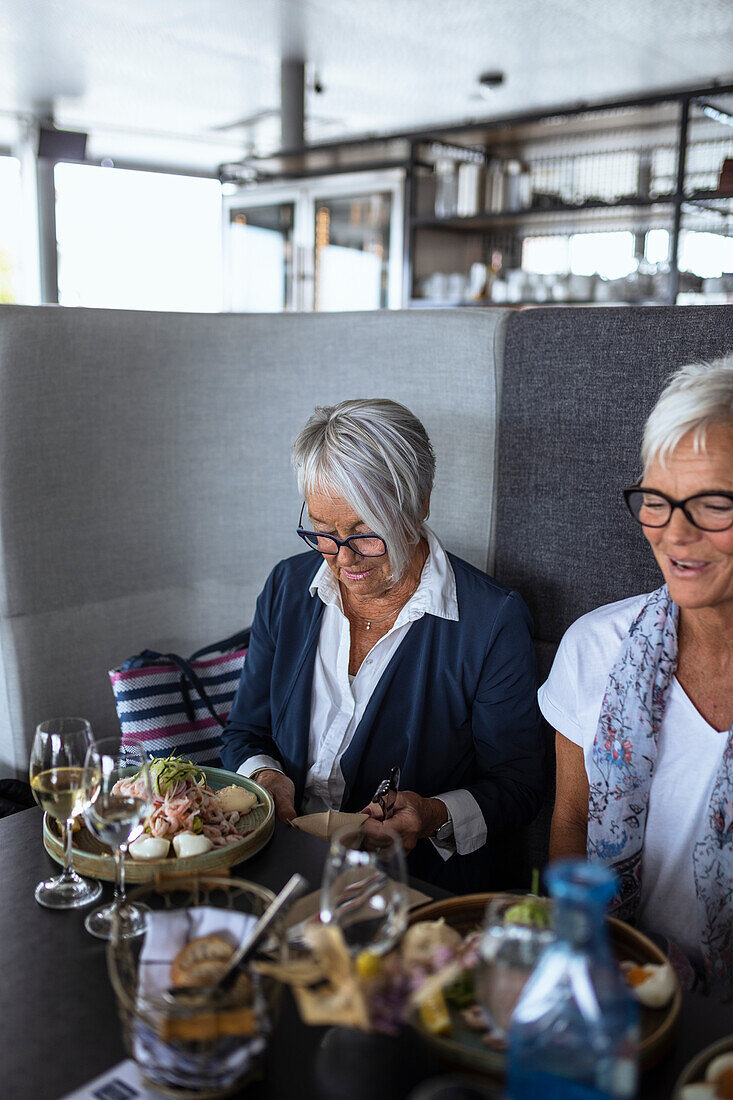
pixel 188 677
pixel 236 641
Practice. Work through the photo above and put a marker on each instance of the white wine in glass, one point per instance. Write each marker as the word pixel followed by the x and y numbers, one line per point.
pixel 117 817
pixel 61 788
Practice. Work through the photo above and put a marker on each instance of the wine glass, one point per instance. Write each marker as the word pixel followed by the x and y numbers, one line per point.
pixel 364 891
pixel 115 813
pixel 57 781
pixel 516 931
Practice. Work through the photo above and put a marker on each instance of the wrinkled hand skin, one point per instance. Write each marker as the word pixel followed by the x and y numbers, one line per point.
pixel 282 790
pixel 414 817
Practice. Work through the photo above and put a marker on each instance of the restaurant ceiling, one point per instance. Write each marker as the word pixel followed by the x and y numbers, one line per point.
pixel 157 80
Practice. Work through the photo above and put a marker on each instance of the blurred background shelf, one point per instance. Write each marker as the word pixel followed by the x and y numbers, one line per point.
pixel 611 203
pixel 488 220
pixel 636 199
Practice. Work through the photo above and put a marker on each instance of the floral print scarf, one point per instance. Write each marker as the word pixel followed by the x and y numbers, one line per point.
pixel 622 769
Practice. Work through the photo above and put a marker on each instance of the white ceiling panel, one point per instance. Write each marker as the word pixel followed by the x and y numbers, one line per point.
pixel 133 71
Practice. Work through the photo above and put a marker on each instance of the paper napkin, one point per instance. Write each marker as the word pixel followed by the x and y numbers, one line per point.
pixel 326 824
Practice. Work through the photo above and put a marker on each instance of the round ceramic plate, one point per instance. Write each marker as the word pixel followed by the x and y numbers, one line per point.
pixel 93 858
pixel 694 1071
pixel 466 1048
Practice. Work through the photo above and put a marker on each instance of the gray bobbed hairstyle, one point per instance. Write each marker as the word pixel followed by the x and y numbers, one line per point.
pixel 695 398
pixel 376 455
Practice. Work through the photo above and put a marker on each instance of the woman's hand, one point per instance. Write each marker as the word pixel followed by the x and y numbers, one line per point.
pixel 414 817
pixel 282 790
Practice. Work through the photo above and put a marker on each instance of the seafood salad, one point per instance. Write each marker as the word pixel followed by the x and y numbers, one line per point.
pixel 183 803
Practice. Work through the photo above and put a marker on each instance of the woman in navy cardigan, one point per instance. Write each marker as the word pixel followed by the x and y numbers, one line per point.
pixel 382 650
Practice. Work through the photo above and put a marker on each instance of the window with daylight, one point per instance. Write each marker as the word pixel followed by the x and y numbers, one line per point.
pixel 708 255
pixel 10 219
pixel 610 255
pixel 138 240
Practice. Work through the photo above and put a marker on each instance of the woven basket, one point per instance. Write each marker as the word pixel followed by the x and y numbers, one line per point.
pixel 148 1023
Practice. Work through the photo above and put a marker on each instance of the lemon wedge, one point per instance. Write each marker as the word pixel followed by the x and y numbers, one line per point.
pixel 434 1014
pixel 368 965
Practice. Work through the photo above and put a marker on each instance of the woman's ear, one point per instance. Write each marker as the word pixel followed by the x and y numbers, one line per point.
pixel 426 507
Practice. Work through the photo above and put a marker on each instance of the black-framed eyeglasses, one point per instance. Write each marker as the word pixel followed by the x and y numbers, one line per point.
pixel 385 795
pixel 706 511
pixel 367 546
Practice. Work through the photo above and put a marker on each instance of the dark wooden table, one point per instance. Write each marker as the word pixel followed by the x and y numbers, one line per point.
pixel 59 1021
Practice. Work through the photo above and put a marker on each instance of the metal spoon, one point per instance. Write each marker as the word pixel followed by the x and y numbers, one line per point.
pixel 293 888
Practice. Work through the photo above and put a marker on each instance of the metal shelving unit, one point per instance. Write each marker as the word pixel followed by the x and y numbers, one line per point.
pixel 637 165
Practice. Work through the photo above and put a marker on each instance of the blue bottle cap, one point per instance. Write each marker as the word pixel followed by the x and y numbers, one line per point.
pixel 575 880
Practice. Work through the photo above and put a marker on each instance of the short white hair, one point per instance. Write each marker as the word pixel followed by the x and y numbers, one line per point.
pixel 696 397
pixel 376 455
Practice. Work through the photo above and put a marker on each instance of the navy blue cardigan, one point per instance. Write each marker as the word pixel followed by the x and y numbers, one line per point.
pixel 455 708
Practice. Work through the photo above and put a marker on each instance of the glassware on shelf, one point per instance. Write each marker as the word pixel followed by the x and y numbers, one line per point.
pixel 517 186
pixel 494 188
pixel 364 891
pixel 470 191
pixel 57 780
pixel 446 188
pixel 575 1028
pixel 117 817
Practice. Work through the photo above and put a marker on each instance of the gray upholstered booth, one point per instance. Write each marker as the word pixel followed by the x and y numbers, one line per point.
pixel 145 488
pixel 145 481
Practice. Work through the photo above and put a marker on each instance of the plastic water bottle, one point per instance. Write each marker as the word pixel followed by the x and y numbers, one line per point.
pixel 575 1030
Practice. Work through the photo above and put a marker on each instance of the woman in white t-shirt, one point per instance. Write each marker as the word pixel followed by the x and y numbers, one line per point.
pixel 641 694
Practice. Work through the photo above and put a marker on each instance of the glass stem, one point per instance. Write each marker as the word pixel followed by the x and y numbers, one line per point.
pixel 120 875
pixel 68 866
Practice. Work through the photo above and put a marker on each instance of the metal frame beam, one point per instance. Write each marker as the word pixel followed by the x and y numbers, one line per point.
pixel 674 274
pixel 47 243
pixel 426 133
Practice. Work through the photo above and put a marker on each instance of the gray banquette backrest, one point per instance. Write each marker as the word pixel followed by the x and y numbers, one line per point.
pixel 145 480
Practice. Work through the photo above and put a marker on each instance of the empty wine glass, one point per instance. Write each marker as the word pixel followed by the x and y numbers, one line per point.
pixel 364 891
pixel 121 798
pixel 516 931
pixel 57 781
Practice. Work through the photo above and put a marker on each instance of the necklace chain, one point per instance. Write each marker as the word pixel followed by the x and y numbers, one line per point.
pixel 392 614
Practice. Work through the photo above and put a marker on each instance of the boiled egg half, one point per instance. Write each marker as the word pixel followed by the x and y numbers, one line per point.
pixel 652 985
pixel 149 847
pixel 191 844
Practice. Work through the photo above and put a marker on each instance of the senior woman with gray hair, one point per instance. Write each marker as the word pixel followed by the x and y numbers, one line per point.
pixel 641 694
pixel 381 650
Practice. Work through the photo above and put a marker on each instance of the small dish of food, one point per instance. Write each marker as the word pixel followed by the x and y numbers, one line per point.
pixel 203 820
pixel 463 1037
pixel 709 1076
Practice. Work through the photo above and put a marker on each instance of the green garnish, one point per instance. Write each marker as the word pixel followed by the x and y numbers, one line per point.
pixel 532 911
pixel 165 771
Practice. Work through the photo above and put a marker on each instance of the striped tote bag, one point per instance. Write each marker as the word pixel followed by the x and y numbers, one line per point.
pixel 181 706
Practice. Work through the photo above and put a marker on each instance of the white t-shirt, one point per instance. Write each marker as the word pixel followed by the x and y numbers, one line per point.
pixel 689 753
